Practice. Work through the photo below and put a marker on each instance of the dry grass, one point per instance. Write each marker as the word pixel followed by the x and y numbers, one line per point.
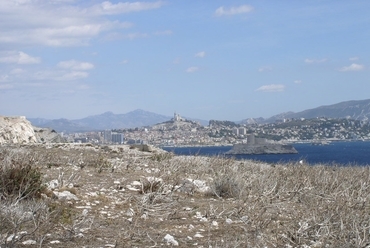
pixel 200 201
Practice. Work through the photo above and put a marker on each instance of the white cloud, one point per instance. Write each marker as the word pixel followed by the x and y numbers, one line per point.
pixel 200 54
pixel 62 23
pixel 271 88
pixel 297 81
pixel 83 87
pixel 74 75
pixel 353 67
pixel 108 8
pixel 59 75
pixel 4 78
pixel 21 58
pixel 75 65
pixel 165 32
pixel 136 35
pixel 233 10
pixel 176 61
pixel 265 68
pixel 354 58
pixel 5 86
pixel 192 69
pixel 315 61
pixel 17 71
pixel 124 61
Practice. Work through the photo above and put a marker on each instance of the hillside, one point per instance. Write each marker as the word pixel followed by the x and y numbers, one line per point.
pixel 357 110
pixel 114 196
pixel 107 120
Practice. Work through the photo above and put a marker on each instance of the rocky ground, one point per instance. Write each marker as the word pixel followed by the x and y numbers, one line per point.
pixel 114 196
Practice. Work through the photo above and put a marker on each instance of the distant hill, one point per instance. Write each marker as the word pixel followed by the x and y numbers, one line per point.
pixel 357 110
pixel 107 120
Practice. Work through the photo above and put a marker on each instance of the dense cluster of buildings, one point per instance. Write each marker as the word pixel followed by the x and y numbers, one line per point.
pixel 180 132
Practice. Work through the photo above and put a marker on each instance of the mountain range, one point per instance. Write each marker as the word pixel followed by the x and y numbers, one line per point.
pixel 107 120
pixel 358 110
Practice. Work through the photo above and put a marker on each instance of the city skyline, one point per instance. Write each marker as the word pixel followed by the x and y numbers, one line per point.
pixel 227 60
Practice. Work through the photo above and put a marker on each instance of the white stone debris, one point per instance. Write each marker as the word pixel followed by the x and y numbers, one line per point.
pixel 29 242
pixel 130 212
pixel 53 184
pixel 170 240
pixel 200 185
pixel 229 221
pixel 198 235
pixel 66 196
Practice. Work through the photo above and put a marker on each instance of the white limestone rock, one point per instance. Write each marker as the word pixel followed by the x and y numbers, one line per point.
pixel 29 242
pixel 170 240
pixel 66 196
pixel 16 130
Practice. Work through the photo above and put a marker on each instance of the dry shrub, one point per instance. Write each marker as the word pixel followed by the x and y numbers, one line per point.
pixel 285 205
pixel 226 187
pixel 159 157
pixel 20 178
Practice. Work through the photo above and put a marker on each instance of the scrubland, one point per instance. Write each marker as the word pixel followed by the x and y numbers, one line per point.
pixel 66 195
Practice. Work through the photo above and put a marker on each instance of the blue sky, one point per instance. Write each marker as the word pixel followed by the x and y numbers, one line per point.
pixel 223 60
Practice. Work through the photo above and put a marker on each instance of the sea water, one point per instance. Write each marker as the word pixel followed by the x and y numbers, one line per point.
pixel 336 153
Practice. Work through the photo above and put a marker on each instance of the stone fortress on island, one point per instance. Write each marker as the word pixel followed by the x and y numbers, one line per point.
pixel 260 146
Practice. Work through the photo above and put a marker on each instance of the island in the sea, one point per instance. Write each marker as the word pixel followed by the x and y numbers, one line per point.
pixel 260 146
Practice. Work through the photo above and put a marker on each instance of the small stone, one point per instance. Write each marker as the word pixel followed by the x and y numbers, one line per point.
pixel 136 183
pixel 229 221
pixel 66 195
pixel 10 238
pixel 198 235
pixel 29 242
pixel 130 212
pixel 170 240
pixel 55 242
pixel 53 184
pixel 129 187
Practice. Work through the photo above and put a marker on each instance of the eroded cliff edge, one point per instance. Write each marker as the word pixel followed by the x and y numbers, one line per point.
pixel 18 130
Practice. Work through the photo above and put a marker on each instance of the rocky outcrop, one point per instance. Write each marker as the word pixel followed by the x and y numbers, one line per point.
pixel 18 130
pixel 239 149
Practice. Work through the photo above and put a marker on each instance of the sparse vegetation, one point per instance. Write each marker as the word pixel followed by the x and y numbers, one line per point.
pixel 201 201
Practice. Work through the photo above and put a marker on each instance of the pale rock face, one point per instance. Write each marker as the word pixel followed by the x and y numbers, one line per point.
pixel 16 130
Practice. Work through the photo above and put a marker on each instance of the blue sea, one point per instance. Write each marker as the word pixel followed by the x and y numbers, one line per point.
pixel 338 153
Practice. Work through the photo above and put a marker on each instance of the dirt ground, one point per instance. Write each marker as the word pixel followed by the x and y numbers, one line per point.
pixel 122 197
